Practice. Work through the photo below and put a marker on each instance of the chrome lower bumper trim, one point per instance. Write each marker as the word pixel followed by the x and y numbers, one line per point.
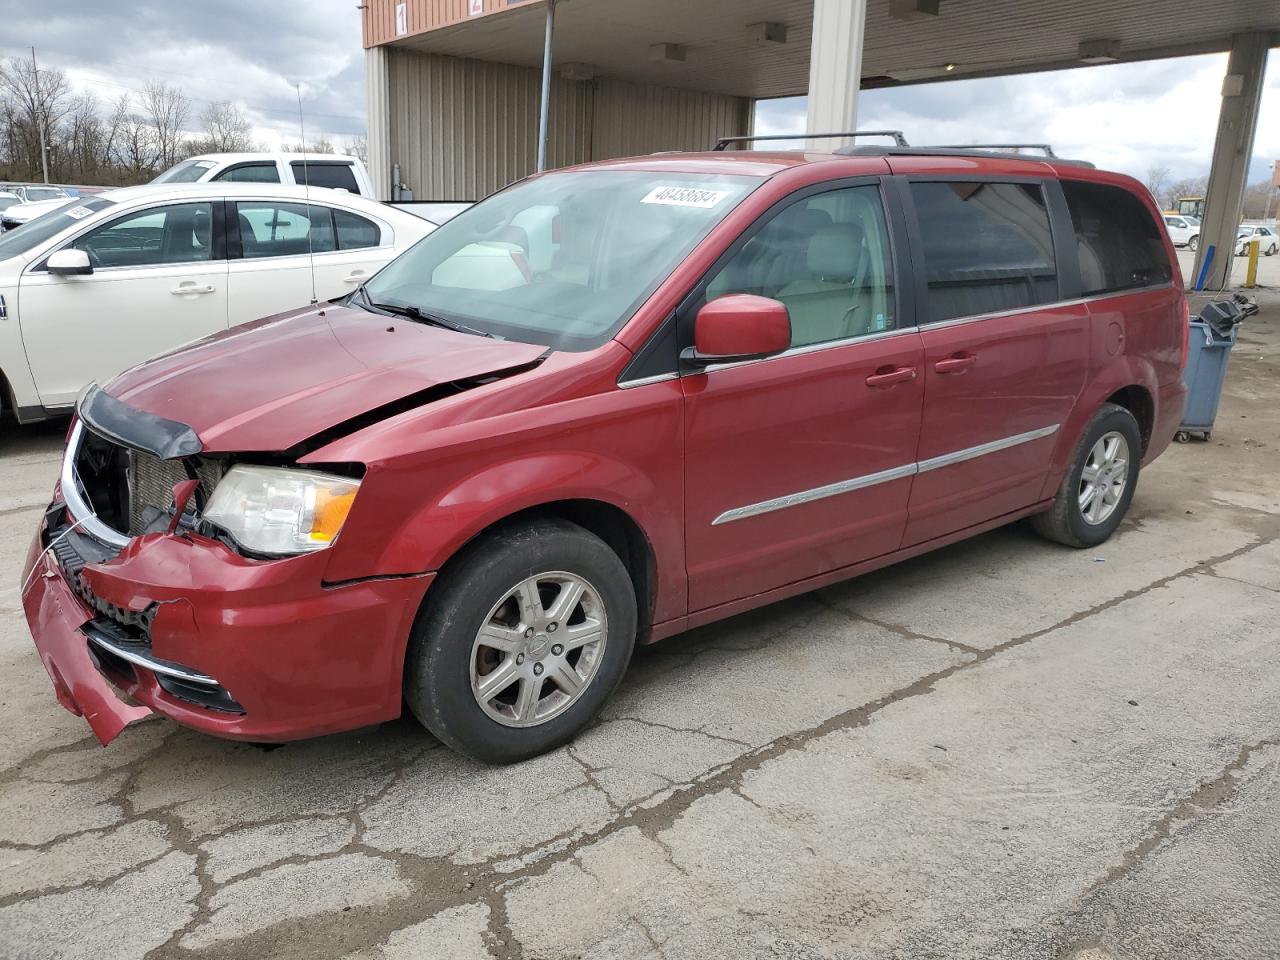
pixel 134 655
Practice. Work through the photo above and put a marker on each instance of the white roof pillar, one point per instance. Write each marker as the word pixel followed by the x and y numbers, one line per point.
pixel 1232 149
pixel 835 68
pixel 378 101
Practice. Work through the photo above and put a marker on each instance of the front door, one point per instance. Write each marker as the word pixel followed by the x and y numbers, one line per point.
pixel 802 463
pixel 159 281
pixel 1004 356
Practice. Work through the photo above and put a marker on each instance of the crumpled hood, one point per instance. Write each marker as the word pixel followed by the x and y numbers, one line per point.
pixel 271 384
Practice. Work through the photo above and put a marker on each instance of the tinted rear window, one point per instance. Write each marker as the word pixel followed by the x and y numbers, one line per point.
pixel 251 173
pixel 987 247
pixel 325 175
pixel 1120 246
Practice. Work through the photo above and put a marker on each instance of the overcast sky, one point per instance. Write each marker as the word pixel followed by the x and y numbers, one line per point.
pixel 249 51
pixel 1124 116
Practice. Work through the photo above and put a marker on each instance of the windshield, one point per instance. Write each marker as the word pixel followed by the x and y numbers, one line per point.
pixel 188 171
pixel 1245 232
pixel 562 260
pixel 6 202
pixel 44 193
pixel 39 229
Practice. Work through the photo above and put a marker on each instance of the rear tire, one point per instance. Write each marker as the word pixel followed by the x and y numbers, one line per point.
pixel 1193 244
pixel 1098 488
pixel 496 616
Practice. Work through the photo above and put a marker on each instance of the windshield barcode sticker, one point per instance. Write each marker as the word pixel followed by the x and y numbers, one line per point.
pixel 685 197
pixel 76 213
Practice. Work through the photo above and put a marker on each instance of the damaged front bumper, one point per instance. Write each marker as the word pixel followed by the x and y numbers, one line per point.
pixel 180 625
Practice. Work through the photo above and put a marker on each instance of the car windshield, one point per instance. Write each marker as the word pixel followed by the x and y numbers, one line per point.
pixel 188 171
pixel 39 229
pixel 44 193
pixel 6 202
pixel 1245 232
pixel 561 260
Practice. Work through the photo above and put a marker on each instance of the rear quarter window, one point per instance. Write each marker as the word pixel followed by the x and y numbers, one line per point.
pixel 322 174
pixel 1119 243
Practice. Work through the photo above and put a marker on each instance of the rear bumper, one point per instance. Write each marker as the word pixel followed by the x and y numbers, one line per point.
pixel 237 648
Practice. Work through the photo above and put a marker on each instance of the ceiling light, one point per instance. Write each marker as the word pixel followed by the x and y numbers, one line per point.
pixel 1098 51
pixel 913 9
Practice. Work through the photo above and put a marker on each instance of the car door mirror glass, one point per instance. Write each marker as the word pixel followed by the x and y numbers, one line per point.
pixel 739 326
pixel 69 263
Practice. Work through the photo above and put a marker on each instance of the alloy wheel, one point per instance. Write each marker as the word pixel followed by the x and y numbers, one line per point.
pixel 1104 478
pixel 538 649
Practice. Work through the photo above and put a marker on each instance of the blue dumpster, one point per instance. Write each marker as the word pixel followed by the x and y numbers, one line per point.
pixel 1209 350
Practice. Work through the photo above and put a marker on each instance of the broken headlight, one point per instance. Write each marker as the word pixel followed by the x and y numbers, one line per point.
pixel 281 510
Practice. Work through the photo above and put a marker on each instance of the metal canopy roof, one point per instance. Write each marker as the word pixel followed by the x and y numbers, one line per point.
pixel 980 37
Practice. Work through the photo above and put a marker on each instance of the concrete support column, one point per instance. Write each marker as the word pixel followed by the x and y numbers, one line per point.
pixel 377 78
pixel 835 68
pixel 1229 173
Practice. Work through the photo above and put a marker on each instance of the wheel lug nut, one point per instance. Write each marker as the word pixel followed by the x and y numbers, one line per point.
pixel 551 627
pixel 537 669
pixel 519 658
pixel 528 633
pixel 557 649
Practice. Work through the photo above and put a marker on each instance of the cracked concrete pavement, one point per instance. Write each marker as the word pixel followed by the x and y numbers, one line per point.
pixel 1003 749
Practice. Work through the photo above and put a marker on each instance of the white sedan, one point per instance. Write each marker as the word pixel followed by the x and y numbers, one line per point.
pixel 1268 241
pixel 104 282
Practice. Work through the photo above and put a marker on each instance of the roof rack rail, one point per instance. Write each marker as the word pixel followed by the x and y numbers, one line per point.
pixel 954 152
pixel 898 139
pixel 1003 147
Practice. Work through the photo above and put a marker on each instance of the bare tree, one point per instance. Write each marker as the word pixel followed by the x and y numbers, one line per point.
pixel 358 147
pixel 1187 187
pixel 166 110
pixel 134 141
pixel 1158 183
pixel 225 129
pixel 38 101
pixel 322 145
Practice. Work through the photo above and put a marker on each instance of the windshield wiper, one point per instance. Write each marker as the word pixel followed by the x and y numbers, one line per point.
pixel 411 312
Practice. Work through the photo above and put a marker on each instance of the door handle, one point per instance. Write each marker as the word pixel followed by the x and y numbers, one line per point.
pixel 189 289
pixel 956 363
pixel 888 376
pixel 355 276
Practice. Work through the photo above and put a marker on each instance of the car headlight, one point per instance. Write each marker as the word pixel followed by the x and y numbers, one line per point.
pixel 281 510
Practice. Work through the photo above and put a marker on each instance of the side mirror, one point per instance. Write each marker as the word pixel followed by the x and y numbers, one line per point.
pixel 69 263
pixel 739 326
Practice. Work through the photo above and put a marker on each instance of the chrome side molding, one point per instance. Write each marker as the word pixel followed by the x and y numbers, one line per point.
pixel 882 476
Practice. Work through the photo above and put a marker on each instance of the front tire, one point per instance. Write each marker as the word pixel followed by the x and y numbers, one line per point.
pixel 1193 244
pixel 1098 488
pixel 522 641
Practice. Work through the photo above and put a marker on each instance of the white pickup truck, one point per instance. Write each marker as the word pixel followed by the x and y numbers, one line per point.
pixel 321 169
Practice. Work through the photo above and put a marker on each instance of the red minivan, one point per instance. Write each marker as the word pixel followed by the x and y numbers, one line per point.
pixel 606 405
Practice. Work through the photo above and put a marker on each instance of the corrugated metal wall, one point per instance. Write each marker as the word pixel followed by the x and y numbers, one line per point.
pixel 632 118
pixel 461 129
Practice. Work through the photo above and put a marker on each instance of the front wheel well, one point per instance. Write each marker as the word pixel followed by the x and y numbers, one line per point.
pixel 1137 400
pixel 612 525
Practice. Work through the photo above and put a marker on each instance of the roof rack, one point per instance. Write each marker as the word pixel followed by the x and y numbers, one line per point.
pixel 1002 147
pixel 901 141
pixel 954 152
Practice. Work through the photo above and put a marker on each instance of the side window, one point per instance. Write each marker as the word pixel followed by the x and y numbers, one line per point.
pixel 1120 246
pixel 987 247
pixel 272 229
pixel 250 173
pixel 355 231
pixel 180 233
pixel 322 174
pixel 827 258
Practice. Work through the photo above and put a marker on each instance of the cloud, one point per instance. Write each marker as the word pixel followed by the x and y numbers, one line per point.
pixel 248 51
pixel 1128 117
